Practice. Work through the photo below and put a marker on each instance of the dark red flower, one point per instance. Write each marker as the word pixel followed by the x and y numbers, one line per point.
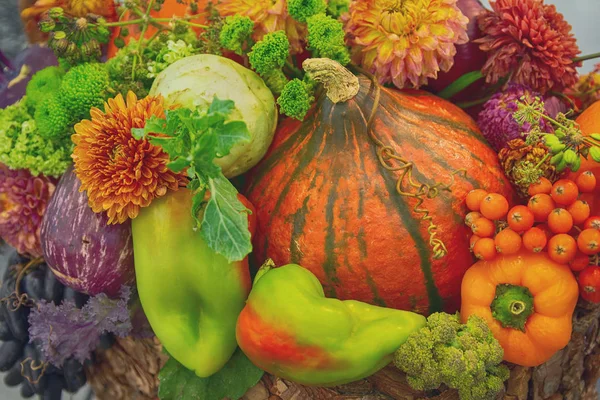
pixel 23 201
pixel 529 42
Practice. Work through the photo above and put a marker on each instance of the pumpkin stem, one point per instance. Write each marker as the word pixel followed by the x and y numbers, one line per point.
pixel 512 306
pixel 340 84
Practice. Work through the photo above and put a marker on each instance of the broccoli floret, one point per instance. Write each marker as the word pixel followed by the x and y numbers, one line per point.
pixel 296 99
pixel 336 8
pixel 236 33
pixel 43 83
pixel 268 57
pixel 301 10
pixel 21 145
pixel 326 38
pixel 83 87
pixel 52 119
pixel 466 357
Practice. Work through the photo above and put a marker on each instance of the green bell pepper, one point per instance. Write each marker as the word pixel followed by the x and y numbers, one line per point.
pixel 191 295
pixel 289 328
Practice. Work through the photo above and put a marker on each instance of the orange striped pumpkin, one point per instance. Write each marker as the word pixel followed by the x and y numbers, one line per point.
pixel 324 201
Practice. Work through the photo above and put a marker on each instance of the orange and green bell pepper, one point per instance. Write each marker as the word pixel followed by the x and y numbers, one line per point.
pixel 289 329
pixel 191 295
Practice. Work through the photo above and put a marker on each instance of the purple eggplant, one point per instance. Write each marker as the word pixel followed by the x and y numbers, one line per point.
pixel 16 73
pixel 84 252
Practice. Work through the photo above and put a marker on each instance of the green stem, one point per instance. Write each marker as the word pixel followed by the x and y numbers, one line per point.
pixel 512 306
pixel 460 84
pixel 146 20
pixel 182 20
pixel 587 57
pixel 468 104
pixel 293 69
pixel 124 23
pixel 543 160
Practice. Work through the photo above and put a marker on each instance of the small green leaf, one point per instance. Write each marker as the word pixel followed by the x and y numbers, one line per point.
pixel 570 156
pixel 595 153
pixel 179 164
pixel 221 106
pixel 225 222
pixel 194 184
pixel 157 125
pixel 576 165
pixel 551 140
pixel 138 133
pixel 231 134
pixel 171 145
pixel 460 84
pixel 232 381
pixel 557 158
pixel 595 136
pixel 197 203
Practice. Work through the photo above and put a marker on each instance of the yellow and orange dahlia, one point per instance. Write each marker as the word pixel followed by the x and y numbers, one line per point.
pixel 268 16
pixel 405 41
pixel 120 173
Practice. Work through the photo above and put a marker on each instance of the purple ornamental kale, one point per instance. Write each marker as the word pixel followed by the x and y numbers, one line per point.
pixel 496 119
pixel 65 331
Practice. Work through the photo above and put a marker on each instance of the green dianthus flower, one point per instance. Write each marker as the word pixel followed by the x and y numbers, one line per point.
pixel 83 87
pixel 43 83
pixel 52 119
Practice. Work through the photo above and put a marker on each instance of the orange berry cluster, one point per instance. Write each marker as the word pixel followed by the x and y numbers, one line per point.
pixel 554 220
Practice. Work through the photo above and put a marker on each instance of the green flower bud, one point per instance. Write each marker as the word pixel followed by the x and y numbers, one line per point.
pixel 119 42
pixel 570 156
pixel 47 25
pixel 56 12
pixel 557 159
pixel 595 153
pixel 576 165
pixel 59 35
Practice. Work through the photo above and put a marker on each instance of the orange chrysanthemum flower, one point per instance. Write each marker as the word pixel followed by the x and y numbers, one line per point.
pixel 405 41
pixel 530 42
pixel 268 16
pixel 120 173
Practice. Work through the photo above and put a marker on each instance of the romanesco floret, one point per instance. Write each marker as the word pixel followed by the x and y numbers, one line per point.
pixel 301 10
pixel 296 99
pixel 466 357
pixel 83 87
pixel 21 146
pixel 270 53
pixel 236 33
pixel 43 83
pixel 268 57
pixel 326 38
pixel 336 8
pixel 51 118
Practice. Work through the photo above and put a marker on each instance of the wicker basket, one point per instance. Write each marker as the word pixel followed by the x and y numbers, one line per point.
pixel 129 371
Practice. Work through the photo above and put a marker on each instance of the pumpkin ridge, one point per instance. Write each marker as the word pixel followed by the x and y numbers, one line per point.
pixel 362 247
pixel 313 144
pixel 411 224
pixel 432 154
pixel 438 120
pixel 334 140
pixel 272 159
pixel 299 224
